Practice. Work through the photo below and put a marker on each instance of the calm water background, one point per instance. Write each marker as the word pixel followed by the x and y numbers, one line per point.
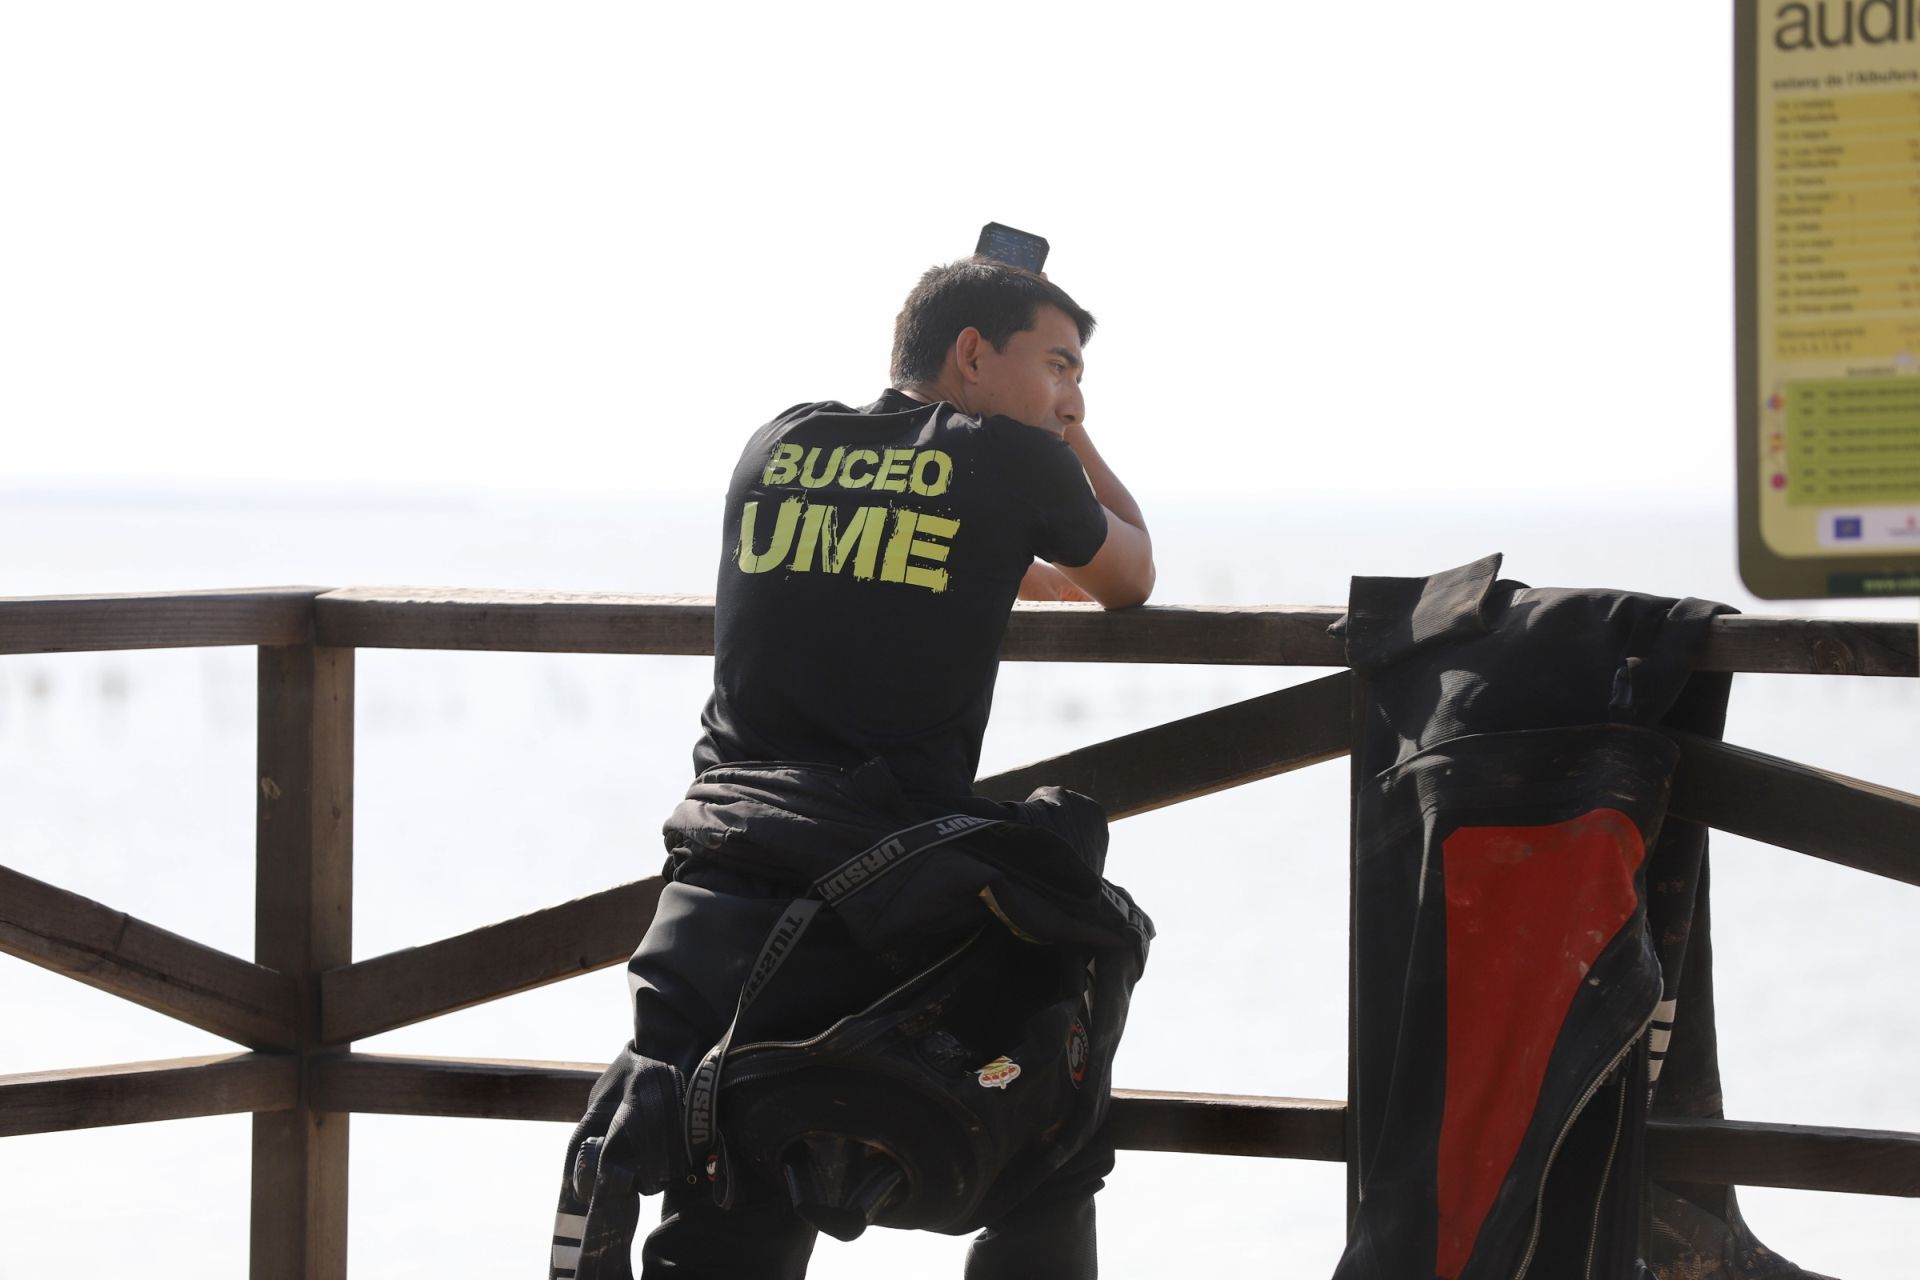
pixel 493 784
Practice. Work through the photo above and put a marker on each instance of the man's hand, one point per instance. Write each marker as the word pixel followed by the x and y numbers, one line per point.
pixel 1044 582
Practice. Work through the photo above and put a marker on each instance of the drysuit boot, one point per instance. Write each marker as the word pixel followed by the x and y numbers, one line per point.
pixel 1698 1231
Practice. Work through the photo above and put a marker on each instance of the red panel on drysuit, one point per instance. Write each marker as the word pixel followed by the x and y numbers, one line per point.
pixel 1529 909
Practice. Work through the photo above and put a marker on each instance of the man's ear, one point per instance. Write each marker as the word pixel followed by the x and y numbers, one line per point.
pixel 966 353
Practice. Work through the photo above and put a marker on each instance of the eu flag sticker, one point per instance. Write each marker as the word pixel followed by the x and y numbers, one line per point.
pixel 1846 526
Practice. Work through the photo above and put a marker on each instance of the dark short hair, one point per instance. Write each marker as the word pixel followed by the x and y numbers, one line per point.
pixel 997 299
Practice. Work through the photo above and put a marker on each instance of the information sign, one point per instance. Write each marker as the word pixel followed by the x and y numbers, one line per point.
pixel 1827 244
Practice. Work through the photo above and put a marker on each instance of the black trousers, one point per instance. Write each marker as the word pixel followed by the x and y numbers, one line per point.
pixel 1048 1236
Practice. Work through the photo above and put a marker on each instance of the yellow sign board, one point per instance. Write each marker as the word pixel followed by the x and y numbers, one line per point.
pixel 1827 222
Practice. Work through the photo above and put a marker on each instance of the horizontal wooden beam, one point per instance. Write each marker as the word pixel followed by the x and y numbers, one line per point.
pixel 461 1087
pixel 1259 635
pixel 1225 747
pixel 1706 1151
pixel 493 1089
pixel 517 621
pixel 160 620
pixel 1812 646
pixel 1255 635
pixel 136 1092
pixel 1798 807
pixel 1803 1157
pixel 561 622
pixel 469 1088
pixel 403 987
pixel 547 622
pixel 1229 1124
pixel 162 971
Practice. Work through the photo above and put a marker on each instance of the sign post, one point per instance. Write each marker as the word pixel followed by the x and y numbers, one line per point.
pixel 1827 285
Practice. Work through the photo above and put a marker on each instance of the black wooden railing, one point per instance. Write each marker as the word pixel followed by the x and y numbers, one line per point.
pixel 302 1001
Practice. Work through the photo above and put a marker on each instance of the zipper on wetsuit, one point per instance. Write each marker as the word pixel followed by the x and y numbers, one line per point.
pixel 1606 1172
pixel 1540 1191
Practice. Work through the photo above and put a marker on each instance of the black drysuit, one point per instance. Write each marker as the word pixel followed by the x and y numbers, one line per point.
pixel 1530 934
pixel 746 841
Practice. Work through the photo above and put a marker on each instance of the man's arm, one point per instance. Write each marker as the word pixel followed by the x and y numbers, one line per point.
pixel 1044 582
pixel 1122 574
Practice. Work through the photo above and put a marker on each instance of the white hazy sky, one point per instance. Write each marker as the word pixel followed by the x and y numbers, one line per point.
pixel 1337 249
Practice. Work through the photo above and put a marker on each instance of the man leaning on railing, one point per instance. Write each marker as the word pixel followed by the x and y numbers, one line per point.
pixel 841 1015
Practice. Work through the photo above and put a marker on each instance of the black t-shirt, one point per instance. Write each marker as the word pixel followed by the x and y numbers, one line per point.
pixel 869 560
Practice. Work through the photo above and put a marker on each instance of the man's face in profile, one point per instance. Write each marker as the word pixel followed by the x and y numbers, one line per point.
pixel 1036 380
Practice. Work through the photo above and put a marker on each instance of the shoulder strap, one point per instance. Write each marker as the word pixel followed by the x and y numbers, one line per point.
pixel 861 870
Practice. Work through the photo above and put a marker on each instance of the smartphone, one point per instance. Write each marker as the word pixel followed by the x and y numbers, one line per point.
pixel 1020 248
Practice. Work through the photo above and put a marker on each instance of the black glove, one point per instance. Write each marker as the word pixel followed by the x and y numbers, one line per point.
pixel 627 1146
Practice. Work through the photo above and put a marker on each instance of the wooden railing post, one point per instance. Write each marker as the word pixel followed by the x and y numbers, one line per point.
pixel 303 904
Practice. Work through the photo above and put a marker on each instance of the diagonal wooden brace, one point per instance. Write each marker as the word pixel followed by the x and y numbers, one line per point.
pixel 162 971
pixel 404 987
pixel 1226 747
pixel 1795 806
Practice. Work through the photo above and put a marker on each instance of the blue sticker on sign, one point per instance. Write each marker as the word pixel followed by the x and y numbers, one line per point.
pixel 1846 526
